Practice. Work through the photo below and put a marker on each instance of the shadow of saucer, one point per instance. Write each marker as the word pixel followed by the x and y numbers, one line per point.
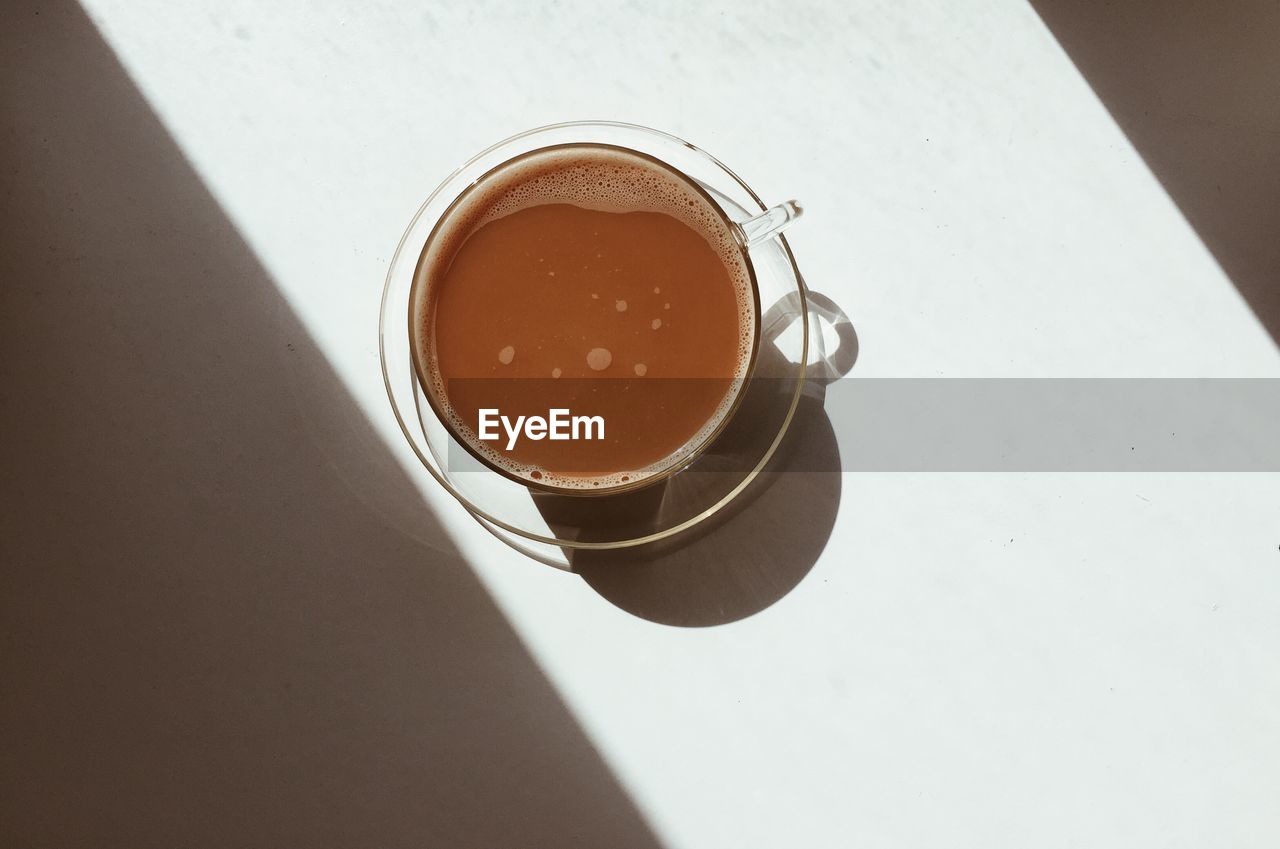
pixel 759 547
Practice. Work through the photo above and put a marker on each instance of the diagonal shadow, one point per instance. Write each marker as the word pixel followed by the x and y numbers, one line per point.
pixel 206 639
pixel 1195 85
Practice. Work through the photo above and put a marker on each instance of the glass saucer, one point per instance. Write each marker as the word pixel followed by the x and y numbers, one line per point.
pixel 682 500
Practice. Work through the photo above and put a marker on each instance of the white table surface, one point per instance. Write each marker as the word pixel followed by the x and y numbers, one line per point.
pixel 979 660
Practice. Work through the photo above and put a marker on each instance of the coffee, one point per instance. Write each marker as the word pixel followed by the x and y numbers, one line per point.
pixel 592 280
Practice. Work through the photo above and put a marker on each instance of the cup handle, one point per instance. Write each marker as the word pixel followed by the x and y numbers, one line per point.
pixel 769 223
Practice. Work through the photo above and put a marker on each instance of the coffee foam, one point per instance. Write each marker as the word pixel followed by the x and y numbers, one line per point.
pixel 602 179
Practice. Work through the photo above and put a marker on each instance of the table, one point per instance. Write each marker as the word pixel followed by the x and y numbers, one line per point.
pixel 967 659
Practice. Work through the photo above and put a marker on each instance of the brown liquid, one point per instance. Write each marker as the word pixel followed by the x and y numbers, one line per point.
pixel 591 279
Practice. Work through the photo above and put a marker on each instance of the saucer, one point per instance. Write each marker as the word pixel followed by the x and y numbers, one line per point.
pixel 680 501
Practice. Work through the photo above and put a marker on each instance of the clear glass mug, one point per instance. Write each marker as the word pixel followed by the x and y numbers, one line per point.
pixel 756 228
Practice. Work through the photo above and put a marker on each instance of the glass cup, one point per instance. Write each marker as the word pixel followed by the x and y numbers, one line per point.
pixel 755 230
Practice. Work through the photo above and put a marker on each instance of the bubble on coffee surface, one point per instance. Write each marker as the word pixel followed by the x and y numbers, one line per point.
pixel 506 355
pixel 601 179
pixel 620 305
pixel 599 359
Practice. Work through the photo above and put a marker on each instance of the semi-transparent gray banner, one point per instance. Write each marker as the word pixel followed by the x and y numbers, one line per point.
pixel 978 424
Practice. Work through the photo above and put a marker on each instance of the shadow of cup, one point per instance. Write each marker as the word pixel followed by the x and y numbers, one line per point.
pixel 763 543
